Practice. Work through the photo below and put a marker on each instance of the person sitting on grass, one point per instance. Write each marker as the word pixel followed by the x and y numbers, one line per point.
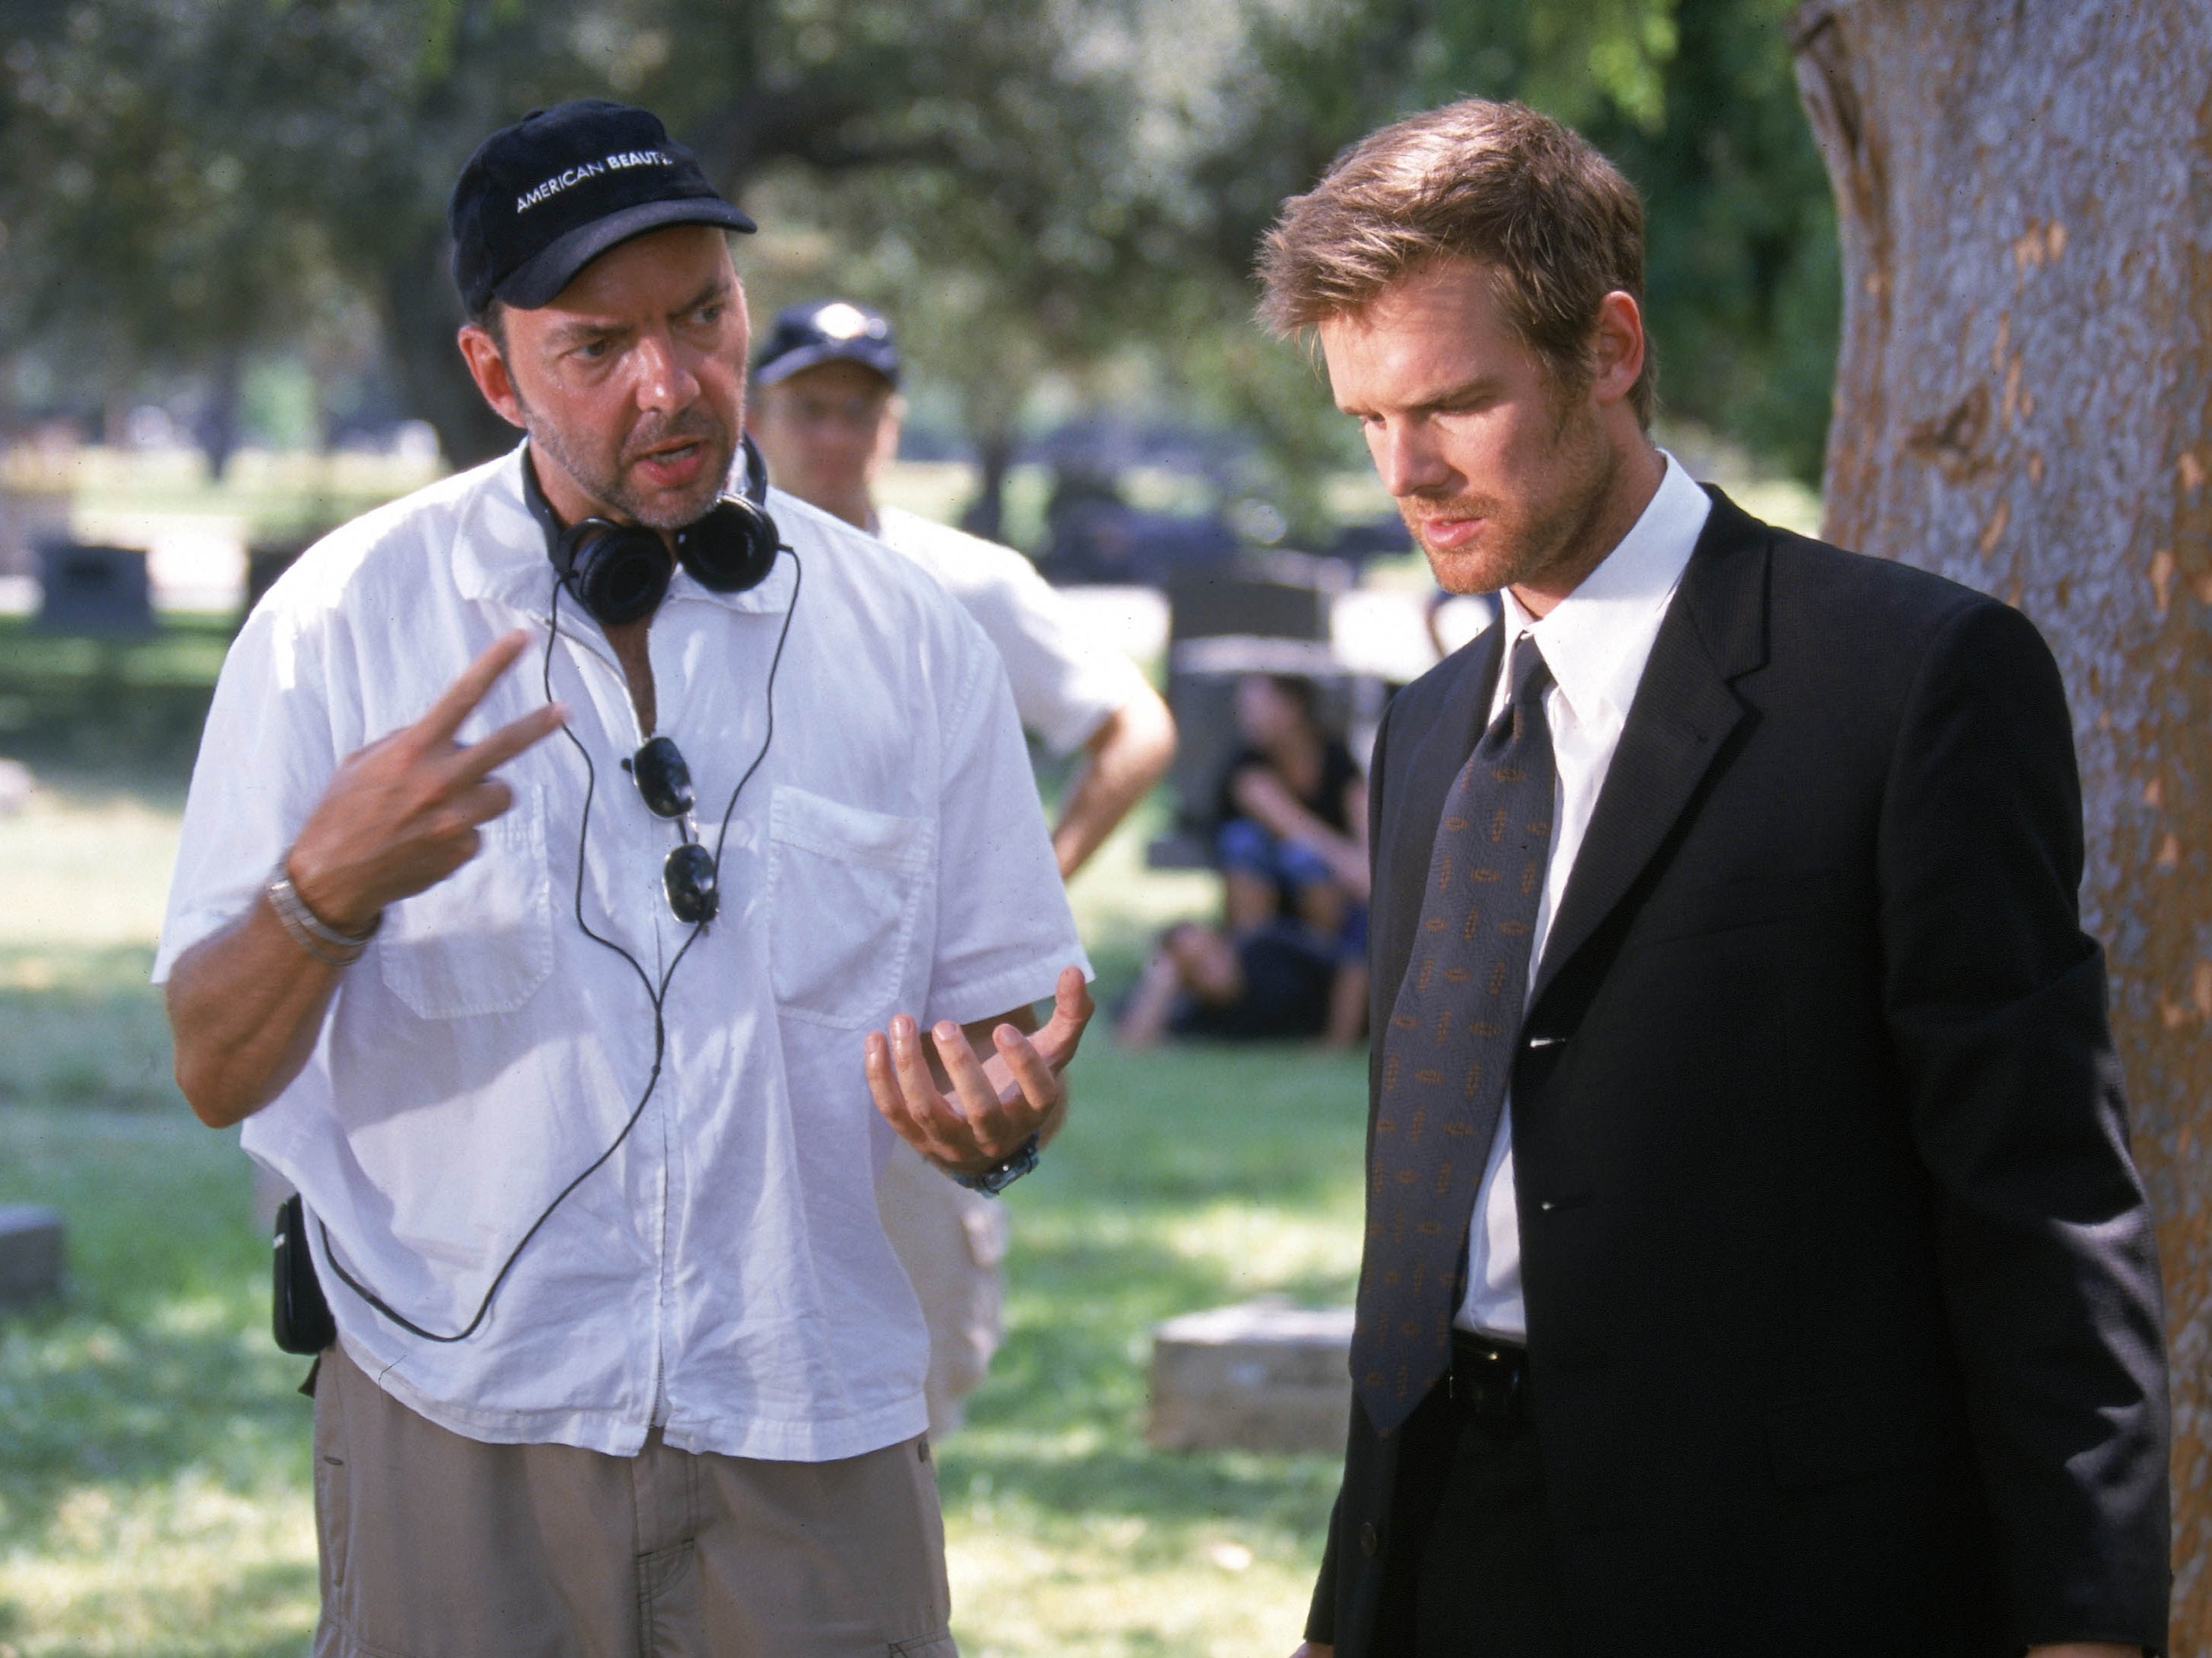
pixel 1293 815
pixel 1271 985
pixel 1291 961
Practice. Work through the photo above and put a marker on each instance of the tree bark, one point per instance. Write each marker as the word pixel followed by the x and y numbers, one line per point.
pixel 422 314
pixel 986 516
pixel 217 428
pixel 2024 403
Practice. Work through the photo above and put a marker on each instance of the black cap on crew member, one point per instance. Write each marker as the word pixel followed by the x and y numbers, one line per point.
pixel 543 198
pixel 826 331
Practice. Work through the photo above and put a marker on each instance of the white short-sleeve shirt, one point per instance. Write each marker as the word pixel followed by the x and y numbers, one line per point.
pixel 1065 686
pixel 725 1271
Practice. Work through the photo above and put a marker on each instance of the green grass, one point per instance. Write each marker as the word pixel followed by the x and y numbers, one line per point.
pixel 1184 1180
pixel 154 1493
pixel 82 871
pixel 129 706
pixel 154 1466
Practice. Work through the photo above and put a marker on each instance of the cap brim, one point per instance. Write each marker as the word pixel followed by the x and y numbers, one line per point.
pixel 869 354
pixel 536 282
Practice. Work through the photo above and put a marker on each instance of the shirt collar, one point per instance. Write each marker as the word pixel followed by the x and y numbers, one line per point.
pixel 499 553
pixel 1596 640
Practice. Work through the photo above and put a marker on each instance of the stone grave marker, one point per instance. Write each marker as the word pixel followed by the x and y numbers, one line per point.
pixel 31 1255
pixel 99 591
pixel 1261 1375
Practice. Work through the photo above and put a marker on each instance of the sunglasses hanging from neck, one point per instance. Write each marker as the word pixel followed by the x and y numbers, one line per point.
pixel 690 877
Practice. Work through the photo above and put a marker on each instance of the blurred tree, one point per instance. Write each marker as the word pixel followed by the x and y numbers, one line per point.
pixel 185 175
pixel 1030 185
pixel 1743 281
pixel 190 182
pixel 1697 105
pixel 1037 219
pixel 130 244
pixel 1122 225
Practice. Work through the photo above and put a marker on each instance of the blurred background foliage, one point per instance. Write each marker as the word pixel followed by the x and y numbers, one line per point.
pixel 1057 200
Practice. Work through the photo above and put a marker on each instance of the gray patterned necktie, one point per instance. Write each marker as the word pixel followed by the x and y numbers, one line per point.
pixel 1448 1055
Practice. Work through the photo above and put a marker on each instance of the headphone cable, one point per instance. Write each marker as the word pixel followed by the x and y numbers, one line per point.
pixel 656 995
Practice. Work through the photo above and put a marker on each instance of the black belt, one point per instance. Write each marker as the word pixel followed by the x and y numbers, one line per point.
pixel 1488 1381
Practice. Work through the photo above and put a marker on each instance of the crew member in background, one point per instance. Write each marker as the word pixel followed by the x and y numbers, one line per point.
pixel 825 411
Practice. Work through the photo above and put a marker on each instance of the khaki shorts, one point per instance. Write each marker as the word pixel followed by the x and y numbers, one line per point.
pixel 438 1546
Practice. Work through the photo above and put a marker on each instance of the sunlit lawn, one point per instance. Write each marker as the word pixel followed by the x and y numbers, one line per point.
pixel 154 1473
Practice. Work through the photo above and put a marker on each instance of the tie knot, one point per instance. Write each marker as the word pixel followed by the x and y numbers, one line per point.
pixel 1528 674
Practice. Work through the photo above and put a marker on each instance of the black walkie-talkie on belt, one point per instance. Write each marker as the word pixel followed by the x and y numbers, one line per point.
pixel 303 1318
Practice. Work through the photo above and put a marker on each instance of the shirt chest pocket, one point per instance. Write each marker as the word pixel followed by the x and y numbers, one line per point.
pixel 481 940
pixel 844 889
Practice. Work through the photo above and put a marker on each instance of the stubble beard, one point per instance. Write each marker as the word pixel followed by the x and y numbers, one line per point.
pixel 609 484
pixel 1526 540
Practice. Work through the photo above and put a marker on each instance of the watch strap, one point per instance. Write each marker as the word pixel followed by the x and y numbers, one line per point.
pixel 999 1175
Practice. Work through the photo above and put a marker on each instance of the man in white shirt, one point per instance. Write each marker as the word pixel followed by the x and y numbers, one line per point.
pixel 826 412
pixel 1753 1260
pixel 574 1064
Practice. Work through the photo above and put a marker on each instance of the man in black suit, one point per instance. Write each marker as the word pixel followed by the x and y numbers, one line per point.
pixel 1755 1261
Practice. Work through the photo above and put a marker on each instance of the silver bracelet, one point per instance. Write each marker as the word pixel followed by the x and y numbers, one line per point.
pixel 325 943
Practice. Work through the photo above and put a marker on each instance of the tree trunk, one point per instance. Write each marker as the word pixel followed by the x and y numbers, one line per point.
pixel 986 516
pixel 422 314
pixel 2025 403
pixel 217 428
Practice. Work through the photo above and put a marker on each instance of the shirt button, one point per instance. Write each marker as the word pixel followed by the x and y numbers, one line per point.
pixel 1369 1540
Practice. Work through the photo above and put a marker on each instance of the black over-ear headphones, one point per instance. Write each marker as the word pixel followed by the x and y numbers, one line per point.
pixel 620 572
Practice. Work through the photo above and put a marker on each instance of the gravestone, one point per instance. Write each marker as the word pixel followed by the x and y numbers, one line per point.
pixel 1261 1375
pixel 99 591
pixel 263 564
pixel 1266 595
pixel 1268 613
pixel 30 1255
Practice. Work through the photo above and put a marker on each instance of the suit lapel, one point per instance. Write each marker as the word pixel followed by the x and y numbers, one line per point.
pixel 1683 712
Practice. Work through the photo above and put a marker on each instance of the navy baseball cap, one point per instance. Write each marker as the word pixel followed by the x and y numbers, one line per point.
pixel 826 331
pixel 543 198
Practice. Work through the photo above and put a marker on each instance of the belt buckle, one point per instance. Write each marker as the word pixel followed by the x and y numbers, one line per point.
pixel 1492 1398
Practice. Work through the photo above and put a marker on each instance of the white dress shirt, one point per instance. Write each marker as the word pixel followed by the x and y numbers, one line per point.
pixel 1595 641
pixel 889 855
pixel 1065 685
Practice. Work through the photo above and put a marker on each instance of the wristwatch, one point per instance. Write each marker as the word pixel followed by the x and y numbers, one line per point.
pixel 1003 1173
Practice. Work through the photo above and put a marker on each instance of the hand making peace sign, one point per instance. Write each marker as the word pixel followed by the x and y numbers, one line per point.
pixel 402 813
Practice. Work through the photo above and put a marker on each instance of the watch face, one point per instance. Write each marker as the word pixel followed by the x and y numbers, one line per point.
pixel 992 1181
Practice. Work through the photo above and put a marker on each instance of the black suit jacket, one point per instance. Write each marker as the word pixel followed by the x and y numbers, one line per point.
pixel 1843 1324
